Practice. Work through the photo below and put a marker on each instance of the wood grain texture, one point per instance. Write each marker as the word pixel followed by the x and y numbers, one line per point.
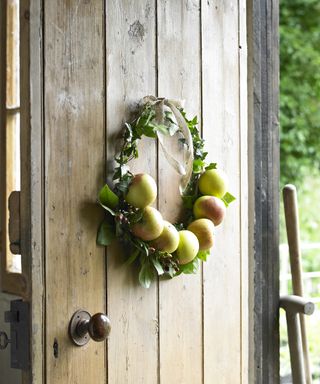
pixel 246 257
pixel 221 130
pixel 291 211
pixel 189 330
pixel 264 88
pixel 74 154
pixel 181 298
pixel 31 196
pixel 131 75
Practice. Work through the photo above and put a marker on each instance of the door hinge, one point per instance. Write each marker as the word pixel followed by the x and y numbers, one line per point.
pixel 19 340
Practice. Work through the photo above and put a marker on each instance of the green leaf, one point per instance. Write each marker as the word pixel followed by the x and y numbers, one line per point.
pixel 124 183
pixel 211 166
pixel 108 198
pixel 146 275
pixel 228 198
pixel 163 129
pixel 157 266
pixel 191 267
pixel 202 255
pixel 111 211
pixel 198 165
pixel 106 233
pixel 133 257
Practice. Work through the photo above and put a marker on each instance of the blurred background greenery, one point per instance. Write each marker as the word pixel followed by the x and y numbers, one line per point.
pixel 300 155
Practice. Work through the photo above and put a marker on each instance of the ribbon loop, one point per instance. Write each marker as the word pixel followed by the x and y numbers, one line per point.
pixel 185 169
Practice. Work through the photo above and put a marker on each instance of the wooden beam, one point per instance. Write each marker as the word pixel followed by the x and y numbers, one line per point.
pixel 263 85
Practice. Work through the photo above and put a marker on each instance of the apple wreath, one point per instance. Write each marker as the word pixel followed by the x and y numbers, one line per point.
pixel 158 247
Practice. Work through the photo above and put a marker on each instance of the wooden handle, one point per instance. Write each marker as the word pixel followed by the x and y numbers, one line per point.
pixel 293 233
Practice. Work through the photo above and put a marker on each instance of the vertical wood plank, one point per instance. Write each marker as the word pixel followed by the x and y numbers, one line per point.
pixel 246 324
pixel 180 298
pixel 74 156
pixel 264 83
pixel 131 75
pixel 222 280
pixel 31 196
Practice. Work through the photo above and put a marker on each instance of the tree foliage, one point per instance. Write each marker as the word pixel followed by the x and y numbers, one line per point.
pixel 299 89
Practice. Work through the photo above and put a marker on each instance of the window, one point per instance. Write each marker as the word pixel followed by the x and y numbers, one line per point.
pixel 10 135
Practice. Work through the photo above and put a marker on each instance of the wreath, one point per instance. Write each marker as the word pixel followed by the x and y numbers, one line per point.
pixel 157 246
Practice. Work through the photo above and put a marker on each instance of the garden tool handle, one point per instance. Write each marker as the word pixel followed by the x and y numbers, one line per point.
pixel 293 233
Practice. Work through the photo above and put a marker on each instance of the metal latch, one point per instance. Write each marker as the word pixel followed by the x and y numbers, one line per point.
pixel 19 340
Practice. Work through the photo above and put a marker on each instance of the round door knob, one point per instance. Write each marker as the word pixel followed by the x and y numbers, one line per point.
pixel 83 326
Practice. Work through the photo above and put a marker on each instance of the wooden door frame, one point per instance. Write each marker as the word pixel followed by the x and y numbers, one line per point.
pixel 32 180
pixel 263 84
pixel 264 194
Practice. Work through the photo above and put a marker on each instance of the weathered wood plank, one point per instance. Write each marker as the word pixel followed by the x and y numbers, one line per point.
pixel 222 272
pixel 181 298
pixel 74 153
pixel 246 324
pixel 31 196
pixel 131 75
pixel 263 91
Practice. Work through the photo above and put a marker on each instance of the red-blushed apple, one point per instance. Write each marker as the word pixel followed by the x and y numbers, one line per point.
pixel 142 191
pixel 204 230
pixel 168 241
pixel 213 182
pixel 188 247
pixel 209 207
pixel 150 226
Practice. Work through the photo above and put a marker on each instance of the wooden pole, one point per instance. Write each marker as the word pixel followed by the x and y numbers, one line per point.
pixel 293 233
pixel 295 305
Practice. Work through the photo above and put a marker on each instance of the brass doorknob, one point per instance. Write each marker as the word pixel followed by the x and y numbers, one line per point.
pixel 83 326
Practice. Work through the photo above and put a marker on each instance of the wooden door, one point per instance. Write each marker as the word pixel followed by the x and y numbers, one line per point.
pixel 99 58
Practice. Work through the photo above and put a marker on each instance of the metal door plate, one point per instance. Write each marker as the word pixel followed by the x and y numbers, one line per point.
pixel 78 316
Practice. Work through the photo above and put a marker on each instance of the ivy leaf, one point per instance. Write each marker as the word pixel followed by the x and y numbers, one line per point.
pixel 146 275
pixel 202 255
pixel 108 198
pixel 157 266
pixel 228 198
pixel 191 267
pixel 106 233
pixel 198 165
pixel 124 182
pixel 163 129
pixel 149 131
pixel 133 257
pixel 211 166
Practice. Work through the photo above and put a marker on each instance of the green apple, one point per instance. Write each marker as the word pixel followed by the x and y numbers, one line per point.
pixel 150 226
pixel 142 191
pixel 213 182
pixel 188 247
pixel 168 241
pixel 209 207
pixel 204 230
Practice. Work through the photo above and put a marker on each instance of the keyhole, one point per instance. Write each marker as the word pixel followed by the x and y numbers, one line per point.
pixel 55 348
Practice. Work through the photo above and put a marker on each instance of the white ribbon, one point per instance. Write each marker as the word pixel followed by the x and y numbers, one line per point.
pixel 185 169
